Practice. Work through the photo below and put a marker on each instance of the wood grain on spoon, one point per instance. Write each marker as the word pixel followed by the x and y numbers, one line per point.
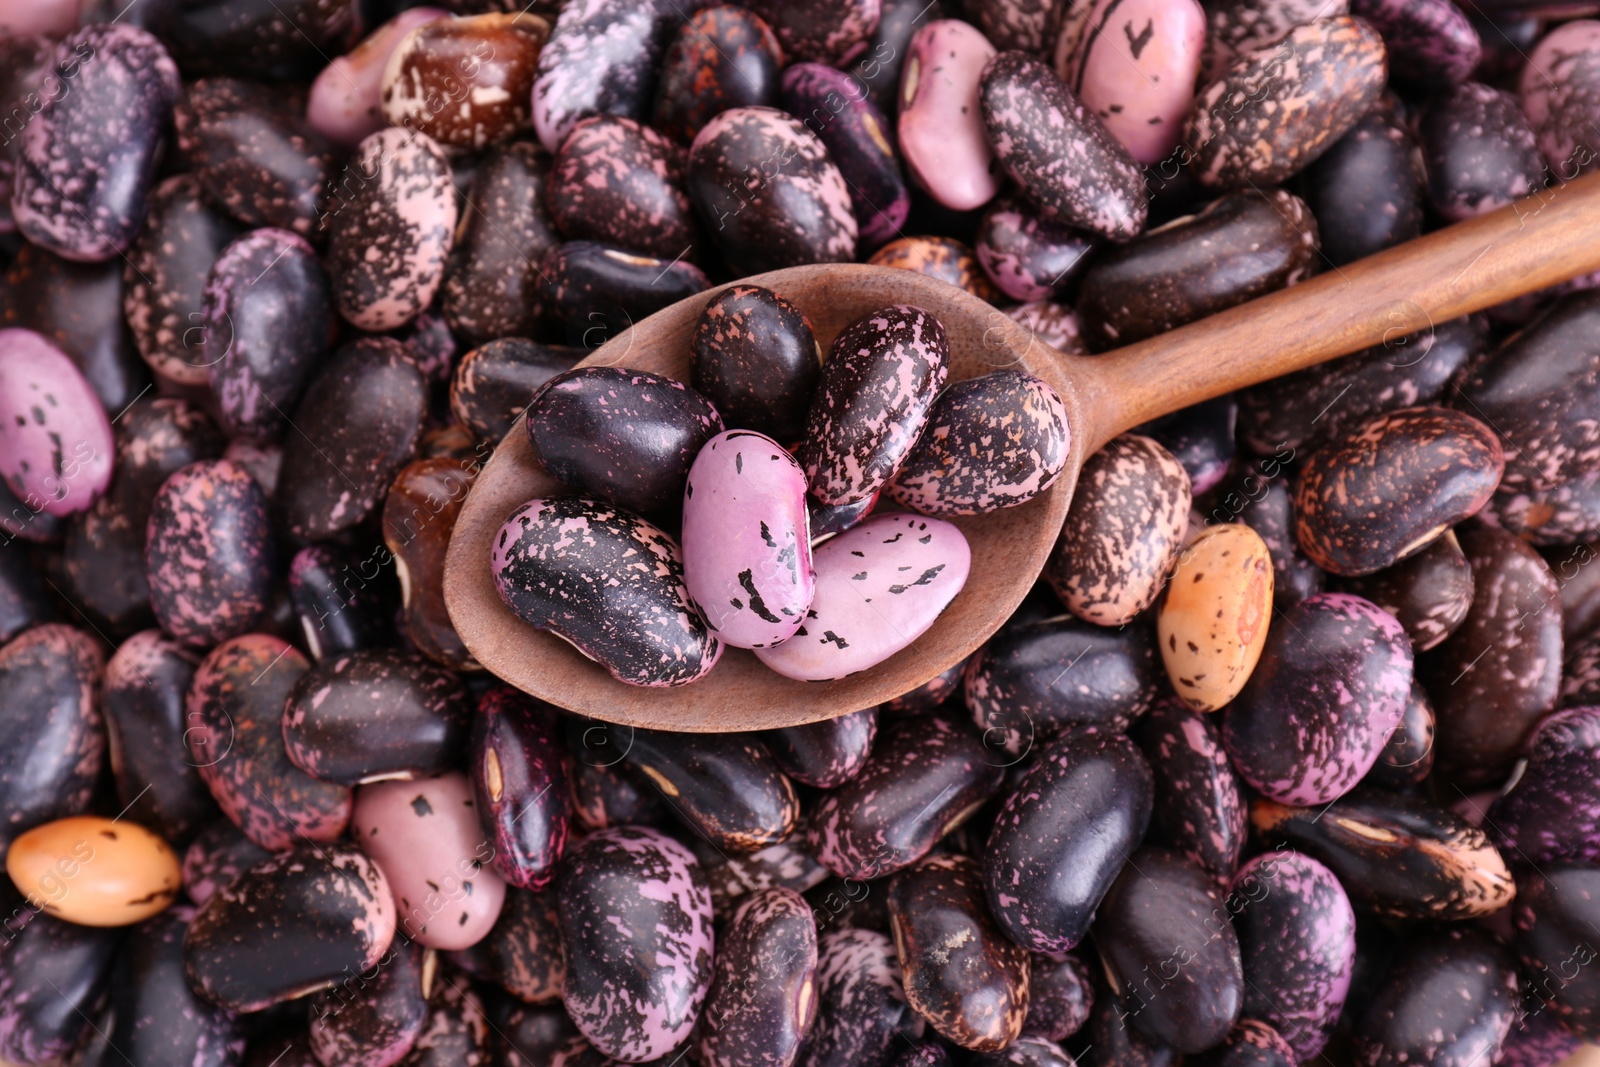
pixel 1539 242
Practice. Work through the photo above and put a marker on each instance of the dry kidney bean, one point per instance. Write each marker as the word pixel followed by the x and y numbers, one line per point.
pixel 1451 996
pixel 722 57
pixel 1367 189
pixel 944 258
pixel 862 1014
pixel 1199 806
pixel 54 978
pixel 523 953
pixel 761 1004
pixel 159 1016
pixel 1429 592
pixel 376 1020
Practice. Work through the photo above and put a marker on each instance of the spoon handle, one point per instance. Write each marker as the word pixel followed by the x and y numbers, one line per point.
pixel 1547 238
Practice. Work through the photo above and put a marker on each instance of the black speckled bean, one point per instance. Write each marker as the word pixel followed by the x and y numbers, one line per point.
pixel 629 436
pixel 1488 691
pixel 165 276
pixel 492 287
pixel 619 183
pixel 264 38
pixel 87 161
pixel 878 387
pixel 960 972
pixel 1297 938
pixel 268 322
pixel 1060 997
pixel 1329 71
pixel 763 999
pixel 862 1015
pixel 825 754
pixel 457 1031
pixel 218 854
pixel 991 442
pixel 1058 151
pixel 1430 592
pixel 1251 1044
pixel 1399 856
pixel 529 1036
pixel 1480 151
pixel 1449 1001
pixel 372 1018
pixel 601 59
pixel 54 978
pixel 1407 758
pixel 523 953
pixel 1430 43
pixel 617 593
pixel 1367 190
pixel 595 293
pixel 1028 257
pixel 1200 437
pixel 628 895
pixel 1393 485
pixel 253 153
pixel 1553 810
pixel 755 358
pixel 373 715
pixel 928 695
pixel 295 923
pixel 494 382
pixel 341 606
pixel 1306 409
pixel 359 424
pixel 159 1019
pixel 768 193
pixel 1063 835
pixel 1554 916
pixel 1199 809
pixel 926 776
pixel 519 778
pixel 52 738
pixel 1116 1043
pixel 1239 247
pixel 146 682
pixel 722 57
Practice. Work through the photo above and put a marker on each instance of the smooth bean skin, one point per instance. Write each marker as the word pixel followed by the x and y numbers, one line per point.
pixel 1063 835
pixel 146 681
pixel 159 1017
pixel 1430 592
pixel 520 782
pixel 54 978
pixel 1451 999
pixel 762 1003
pixel 862 1014
pixel 1553 811
pixel 825 754
pixel 1551 917
pixel 1199 810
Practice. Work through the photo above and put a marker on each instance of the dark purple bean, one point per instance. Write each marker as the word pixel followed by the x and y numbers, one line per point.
pixel 862 1015
pixel 1552 812
pixel 1429 42
pixel 159 1018
pixel 341 606
pixel 523 952
pixel 1367 189
pixel 595 293
pixel 1199 809
pixel 1449 1000
pixel 722 57
pixel 1479 150
pixel 762 1004
pixel 601 59
pixel 1060 997
pixel 1028 257
pixel 218 854
pixel 755 358
pixel 1407 758
pixel 820 31
pixel 618 183
pixel 146 683
pixel 374 715
pixel 929 695
pixel 520 781
pixel 54 978
pixel 1554 916
pixel 1429 592
pixel 262 38
pixel 825 754
pixel 1063 835
pixel 1251 1044
pixel 493 383
pixel 607 794
pixel 22 596
pixel 1114 1042
pixel 371 1019
pixel 1200 437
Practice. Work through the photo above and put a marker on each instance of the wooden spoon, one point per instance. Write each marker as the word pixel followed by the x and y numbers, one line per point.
pixel 1546 239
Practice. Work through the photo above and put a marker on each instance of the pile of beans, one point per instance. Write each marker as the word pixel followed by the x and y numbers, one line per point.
pixel 1291 755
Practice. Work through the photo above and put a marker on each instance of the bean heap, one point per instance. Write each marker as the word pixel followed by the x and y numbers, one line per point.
pixel 1291 754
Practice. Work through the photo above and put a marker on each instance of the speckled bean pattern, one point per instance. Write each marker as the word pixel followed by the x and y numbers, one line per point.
pixel 292 924
pixel 53 739
pixel 1551 918
pixel 1033 680
pixel 1216 615
pixel 1020 24
pixel 1560 87
pixel 880 586
pixel 39 1024
pixel 255 156
pixel 1199 809
pixel 345 101
pixel 87 161
pixel 209 553
pixel 944 258
pixel 379 713
pixel 991 442
pixel 56 451
pixel 600 60
pixel 608 582
pixel 359 424
pixel 1499 673
pixel 1396 855
pixel 466 82
pixel 375 1023
pixel 859 139
pixel 1062 836
pixel 1479 150
pixel 1028 257
pixel 1059 151
pixel 234 732
pixel 159 1018
pixel 1320 705
pixel 1449 1001
pixel 1050 323
pixel 621 183
pixel 165 276
pixel 268 319
pixel 825 754
pixel 762 1002
pixel 1276 109
pixel 1134 65
pixel 1407 757
pixel 1061 991
pixel 595 293
pixel 1552 813
pixel 389 237
pixel 1429 592
pixel 879 383
pixel 862 1014
pixel 746 543
pixel 636 916
pixel 1129 514
pixel 1297 936
pixel 520 782
pixel 146 681
pixel 923 778
pixel 725 786
pixel 768 193
pixel 1235 27
pixel 523 952
pixel 457 1031
pixel 1429 42
pixel 1368 189
pixel 820 31
pixel 218 854
pixel 960 972
pixel 754 356
pixel 723 57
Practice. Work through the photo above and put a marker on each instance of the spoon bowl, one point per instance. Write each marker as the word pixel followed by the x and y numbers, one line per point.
pixel 1547 239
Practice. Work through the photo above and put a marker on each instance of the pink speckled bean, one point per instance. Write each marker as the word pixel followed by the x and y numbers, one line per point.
pixel 941 128
pixel 56 451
